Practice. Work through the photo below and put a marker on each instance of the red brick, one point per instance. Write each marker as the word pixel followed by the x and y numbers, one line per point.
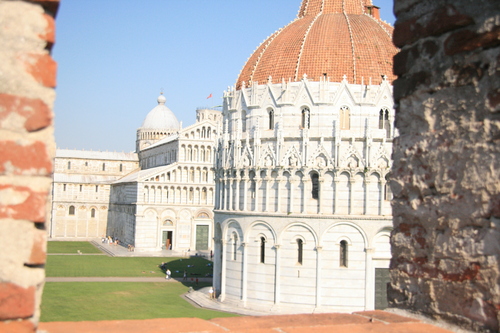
pixel 28 159
pixel 50 30
pixel 43 68
pixel 22 326
pixel 467 40
pixel 36 112
pixel 33 207
pixel 16 302
pixel 444 19
pixel 39 248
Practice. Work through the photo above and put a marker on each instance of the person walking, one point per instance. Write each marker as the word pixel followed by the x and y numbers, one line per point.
pixel 184 277
pixel 168 274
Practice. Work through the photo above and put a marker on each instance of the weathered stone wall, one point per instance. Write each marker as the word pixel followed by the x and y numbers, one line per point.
pixel 446 184
pixel 27 81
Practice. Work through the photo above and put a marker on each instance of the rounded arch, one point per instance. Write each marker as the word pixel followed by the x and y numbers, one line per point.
pixel 350 224
pixel 298 224
pixel 251 226
pixel 204 214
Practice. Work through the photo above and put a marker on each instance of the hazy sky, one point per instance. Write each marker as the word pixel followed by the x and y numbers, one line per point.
pixel 115 56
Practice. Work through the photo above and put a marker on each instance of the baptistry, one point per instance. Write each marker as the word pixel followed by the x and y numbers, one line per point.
pixel 302 211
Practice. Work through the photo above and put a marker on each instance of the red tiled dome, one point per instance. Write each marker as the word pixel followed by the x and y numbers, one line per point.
pixel 332 37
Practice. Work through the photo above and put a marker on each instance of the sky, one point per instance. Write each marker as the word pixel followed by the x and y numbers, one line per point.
pixel 116 56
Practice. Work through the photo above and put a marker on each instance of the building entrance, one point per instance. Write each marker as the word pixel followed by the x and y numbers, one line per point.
pixel 167 239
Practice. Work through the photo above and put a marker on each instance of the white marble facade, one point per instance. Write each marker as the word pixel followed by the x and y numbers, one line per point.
pixel 302 211
pixel 160 197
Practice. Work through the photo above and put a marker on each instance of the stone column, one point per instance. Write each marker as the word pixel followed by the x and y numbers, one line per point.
pixel 321 181
pixel 369 280
pixel 258 183
pixel 319 249
pixel 306 188
pixel 245 193
pixel 351 185
pixel 277 274
pixel 336 196
pixel 225 244
pixel 367 196
pixel 244 274
pixel 230 193
pixel 266 195
pixel 293 183
pixel 279 182
pixel 237 194
pixel 382 197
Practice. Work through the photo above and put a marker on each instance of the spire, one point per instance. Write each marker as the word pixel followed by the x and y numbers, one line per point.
pixel 314 7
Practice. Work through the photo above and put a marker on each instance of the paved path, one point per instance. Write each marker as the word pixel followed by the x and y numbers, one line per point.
pixel 122 279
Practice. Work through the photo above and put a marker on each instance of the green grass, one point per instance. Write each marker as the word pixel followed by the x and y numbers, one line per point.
pixel 71 247
pixel 104 266
pixel 78 301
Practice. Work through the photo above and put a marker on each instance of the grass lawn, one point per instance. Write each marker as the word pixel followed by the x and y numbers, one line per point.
pixel 78 301
pixel 71 247
pixel 103 266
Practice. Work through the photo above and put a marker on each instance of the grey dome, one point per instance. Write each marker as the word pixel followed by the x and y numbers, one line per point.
pixel 161 117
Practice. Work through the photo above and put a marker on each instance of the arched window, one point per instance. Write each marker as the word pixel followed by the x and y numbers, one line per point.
pixel 121 167
pixel 262 249
pixel 69 165
pixel 235 245
pixel 306 120
pixel 64 187
pixel 345 118
pixel 204 194
pixel 92 213
pixel 97 188
pixel 315 185
pixel 71 210
pixel 81 188
pixel 383 121
pixel 343 253
pixel 271 119
pixel 300 249
pixel 104 167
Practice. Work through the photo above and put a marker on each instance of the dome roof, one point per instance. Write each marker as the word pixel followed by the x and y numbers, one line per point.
pixel 329 38
pixel 161 117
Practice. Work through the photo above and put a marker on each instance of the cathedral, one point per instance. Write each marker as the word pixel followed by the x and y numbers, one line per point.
pixel 160 197
pixel 302 210
pixel 287 185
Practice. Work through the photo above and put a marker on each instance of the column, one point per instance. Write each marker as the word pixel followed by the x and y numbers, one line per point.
pixel 277 274
pixel 318 275
pixel 244 274
pixel 321 181
pixel 237 194
pixel 245 193
pixel 369 280
pixel 292 189
pixel 230 194
pixel 258 183
pixel 224 244
pixel 336 196
pixel 382 197
pixel 279 182
pixel 306 188
pixel 367 187
pixel 351 184
pixel 266 194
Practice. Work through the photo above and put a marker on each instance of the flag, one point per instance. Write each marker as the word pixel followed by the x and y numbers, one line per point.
pixel 209 96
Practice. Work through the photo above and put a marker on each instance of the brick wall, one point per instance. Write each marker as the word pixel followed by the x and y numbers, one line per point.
pixel 27 81
pixel 446 173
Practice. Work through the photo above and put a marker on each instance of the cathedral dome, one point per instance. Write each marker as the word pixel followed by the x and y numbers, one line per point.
pixel 161 117
pixel 329 38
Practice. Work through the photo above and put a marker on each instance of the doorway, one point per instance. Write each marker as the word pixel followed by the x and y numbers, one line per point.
pixel 167 239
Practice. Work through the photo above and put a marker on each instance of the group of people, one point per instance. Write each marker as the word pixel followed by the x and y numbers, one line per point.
pixel 110 240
